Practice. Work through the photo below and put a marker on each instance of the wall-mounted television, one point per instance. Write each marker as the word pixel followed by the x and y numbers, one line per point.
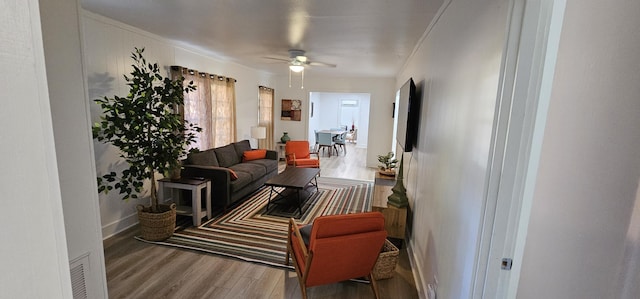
pixel 408 116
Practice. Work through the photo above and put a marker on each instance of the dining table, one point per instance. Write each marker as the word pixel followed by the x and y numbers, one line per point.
pixel 334 134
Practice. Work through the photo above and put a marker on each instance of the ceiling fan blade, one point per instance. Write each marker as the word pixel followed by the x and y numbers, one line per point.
pixel 316 63
pixel 278 59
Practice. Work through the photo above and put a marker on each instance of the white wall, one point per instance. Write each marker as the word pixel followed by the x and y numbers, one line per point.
pixel 328 107
pixel 74 151
pixel 456 69
pixel 583 239
pixel 382 91
pixel 108 45
pixel 33 253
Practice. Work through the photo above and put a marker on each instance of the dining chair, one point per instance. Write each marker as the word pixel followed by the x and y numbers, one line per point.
pixel 352 136
pixel 334 136
pixel 336 248
pixel 324 141
pixel 341 141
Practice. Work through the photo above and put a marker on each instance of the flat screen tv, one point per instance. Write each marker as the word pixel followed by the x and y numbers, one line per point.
pixel 408 116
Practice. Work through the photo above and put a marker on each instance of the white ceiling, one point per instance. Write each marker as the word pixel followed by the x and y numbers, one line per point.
pixel 370 38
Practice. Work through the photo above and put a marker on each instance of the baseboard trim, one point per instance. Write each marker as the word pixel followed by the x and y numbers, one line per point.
pixel 415 269
pixel 118 226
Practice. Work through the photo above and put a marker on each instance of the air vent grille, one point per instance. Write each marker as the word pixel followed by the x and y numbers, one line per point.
pixel 78 281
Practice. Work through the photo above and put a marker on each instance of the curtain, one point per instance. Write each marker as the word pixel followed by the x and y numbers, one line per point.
pixel 211 106
pixel 223 107
pixel 265 116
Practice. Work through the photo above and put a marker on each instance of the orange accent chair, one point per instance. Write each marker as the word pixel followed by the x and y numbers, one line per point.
pixel 298 155
pixel 339 247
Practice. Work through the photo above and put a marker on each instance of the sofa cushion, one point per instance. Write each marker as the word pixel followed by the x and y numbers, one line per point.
pixel 244 179
pixel 254 155
pixel 255 170
pixel 207 158
pixel 227 155
pixel 268 164
pixel 241 147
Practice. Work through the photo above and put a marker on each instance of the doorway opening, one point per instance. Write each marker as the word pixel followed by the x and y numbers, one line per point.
pixel 340 110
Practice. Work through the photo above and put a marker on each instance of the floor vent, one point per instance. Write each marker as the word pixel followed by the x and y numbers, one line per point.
pixel 78 282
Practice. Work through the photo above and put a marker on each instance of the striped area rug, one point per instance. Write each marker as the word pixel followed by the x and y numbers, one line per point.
pixel 245 233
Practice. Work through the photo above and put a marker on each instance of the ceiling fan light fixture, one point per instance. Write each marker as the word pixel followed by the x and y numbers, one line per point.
pixel 296 68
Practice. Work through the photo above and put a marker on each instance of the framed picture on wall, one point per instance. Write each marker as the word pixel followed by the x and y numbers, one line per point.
pixel 291 110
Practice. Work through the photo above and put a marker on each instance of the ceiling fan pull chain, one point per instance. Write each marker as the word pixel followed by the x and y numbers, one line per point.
pixel 301 79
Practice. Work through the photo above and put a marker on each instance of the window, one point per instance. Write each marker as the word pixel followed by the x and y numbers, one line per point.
pixel 265 115
pixel 211 106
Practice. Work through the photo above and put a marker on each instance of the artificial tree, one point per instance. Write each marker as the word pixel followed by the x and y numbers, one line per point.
pixel 146 127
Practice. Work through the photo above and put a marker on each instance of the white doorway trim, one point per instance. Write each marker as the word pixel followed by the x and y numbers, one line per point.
pixel 521 110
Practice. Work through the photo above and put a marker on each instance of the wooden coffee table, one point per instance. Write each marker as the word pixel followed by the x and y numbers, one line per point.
pixel 292 179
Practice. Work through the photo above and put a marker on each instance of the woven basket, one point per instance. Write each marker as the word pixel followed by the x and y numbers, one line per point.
pixel 157 226
pixel 386 265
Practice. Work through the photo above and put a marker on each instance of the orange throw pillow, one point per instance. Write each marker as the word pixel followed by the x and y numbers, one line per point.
pixel 233 174
pixel 254 155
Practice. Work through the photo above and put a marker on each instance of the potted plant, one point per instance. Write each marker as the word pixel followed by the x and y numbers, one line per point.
pixel 388 164
pixel 151 136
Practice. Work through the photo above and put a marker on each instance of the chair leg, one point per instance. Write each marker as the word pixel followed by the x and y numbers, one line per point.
pixel 286 259
pixel 374 286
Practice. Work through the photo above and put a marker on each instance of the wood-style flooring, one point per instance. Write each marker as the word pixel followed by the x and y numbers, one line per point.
pixel 139 270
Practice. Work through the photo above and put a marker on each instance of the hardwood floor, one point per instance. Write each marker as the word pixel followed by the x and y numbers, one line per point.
pixel 139 270
pixel 350 166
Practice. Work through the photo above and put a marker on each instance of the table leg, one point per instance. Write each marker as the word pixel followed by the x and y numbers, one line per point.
pixel 161 191
pixel 299 202
pixel 208 199
pixel 269 199
pixel 197 206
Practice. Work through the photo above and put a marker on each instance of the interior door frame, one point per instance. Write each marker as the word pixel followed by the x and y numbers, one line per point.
pixel 524 93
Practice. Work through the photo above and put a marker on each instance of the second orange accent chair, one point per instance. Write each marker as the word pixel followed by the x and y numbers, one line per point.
pixel 336 248
pixel 298 154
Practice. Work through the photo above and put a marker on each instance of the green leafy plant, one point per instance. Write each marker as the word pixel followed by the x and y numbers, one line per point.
pixel 146 127
pixel 388 162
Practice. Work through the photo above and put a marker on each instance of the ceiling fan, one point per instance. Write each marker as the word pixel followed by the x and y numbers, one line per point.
pixel 297 61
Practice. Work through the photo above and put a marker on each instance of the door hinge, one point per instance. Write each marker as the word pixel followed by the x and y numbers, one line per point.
pixel 506 263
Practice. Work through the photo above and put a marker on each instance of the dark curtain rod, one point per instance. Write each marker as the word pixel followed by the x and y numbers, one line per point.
pixel 193 72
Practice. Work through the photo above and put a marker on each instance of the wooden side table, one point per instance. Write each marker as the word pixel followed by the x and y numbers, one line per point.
pixel 195 186
pixel 281 151
pixel 395 219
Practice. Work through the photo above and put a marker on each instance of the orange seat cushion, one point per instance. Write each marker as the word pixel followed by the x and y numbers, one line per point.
pixel 300 148
pixel 307 163
pixel 254 155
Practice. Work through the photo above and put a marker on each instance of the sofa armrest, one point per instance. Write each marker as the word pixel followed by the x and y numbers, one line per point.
pixel 208 172
pixel 220 180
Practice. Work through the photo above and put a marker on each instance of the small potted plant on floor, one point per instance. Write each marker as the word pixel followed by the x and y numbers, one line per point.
pixel 388 164
pixel 152 137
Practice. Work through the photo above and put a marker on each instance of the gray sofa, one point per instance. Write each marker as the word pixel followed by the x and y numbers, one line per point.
pixel 215 164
